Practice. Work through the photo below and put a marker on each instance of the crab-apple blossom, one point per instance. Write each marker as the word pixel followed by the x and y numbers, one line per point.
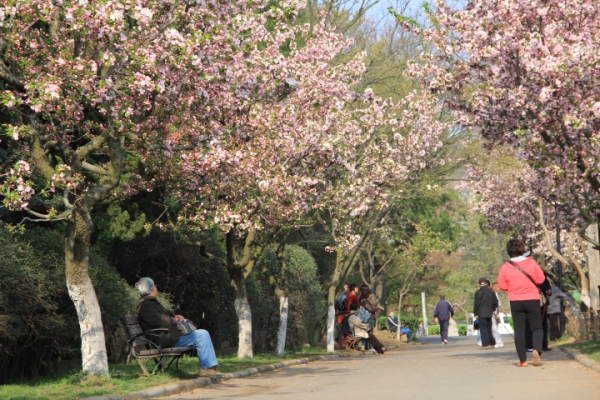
pixel 525 73
pixel 85 83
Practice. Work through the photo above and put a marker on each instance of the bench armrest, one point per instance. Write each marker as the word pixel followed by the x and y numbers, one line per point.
pixel 161 330
pixel 157 333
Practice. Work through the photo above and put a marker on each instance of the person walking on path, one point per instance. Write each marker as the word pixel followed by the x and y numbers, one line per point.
pixel 496 318
pixel 556 297
pixel 520 277
pixel 484 307
pixel 442 313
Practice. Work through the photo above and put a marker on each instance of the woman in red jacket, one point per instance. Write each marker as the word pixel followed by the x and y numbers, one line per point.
pixel 524 297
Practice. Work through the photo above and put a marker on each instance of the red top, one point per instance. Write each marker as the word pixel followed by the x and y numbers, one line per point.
pixel 518 285
pixel 352 298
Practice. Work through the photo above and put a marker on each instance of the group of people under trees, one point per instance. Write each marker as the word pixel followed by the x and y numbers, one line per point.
pixel 535 320
pixel 360 314
pixel 521 277
pixel 526 284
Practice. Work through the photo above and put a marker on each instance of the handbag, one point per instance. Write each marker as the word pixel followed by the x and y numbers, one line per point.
pixel 542 295
pixel 185 327
pixel 363 314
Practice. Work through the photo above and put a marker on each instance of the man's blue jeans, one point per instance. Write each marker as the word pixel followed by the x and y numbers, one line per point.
pixel 407 332
pixel 204 347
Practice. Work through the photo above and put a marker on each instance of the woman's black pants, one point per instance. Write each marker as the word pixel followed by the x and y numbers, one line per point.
pixel 523 312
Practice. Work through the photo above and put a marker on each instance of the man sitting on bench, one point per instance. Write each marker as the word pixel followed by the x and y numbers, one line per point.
pixel 151 315
pixel 392 323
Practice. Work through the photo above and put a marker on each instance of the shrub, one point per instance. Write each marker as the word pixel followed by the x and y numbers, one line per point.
pixel 433 330
pixel 38 323
pixel 462 330
pixel 301 285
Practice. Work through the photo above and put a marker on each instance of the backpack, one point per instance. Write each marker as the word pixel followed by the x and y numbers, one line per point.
pixel 363 314
pixel 341 303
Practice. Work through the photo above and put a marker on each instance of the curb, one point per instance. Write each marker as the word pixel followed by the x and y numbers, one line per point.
pixel 189 385
pixel 581 358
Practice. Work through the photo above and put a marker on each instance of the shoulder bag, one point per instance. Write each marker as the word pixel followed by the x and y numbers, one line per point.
pixel 542 295
pixel 185 327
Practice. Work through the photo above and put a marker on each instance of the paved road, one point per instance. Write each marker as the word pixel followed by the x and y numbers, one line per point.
pixel 428 371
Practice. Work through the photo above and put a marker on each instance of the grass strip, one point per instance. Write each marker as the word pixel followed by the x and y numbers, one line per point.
pixel 590 348
pixel 126 378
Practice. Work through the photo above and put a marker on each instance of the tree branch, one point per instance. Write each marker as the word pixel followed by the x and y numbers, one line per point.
pixel 94 168
pixel 9 78
pixel 551 247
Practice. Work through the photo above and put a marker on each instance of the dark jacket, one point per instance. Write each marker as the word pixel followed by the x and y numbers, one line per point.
pixel 555 299
pixel 443 310
pixel 486 302
pixel 151 315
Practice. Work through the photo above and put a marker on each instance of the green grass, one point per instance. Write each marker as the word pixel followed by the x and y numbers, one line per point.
pixel 590 348
pixel 127 378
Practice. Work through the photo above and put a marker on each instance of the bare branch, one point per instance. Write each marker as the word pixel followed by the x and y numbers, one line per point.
pixel 551 247
pixel 94 168
pixel 9 78
pixel 95 144
pixel 587 238
pixel 44 217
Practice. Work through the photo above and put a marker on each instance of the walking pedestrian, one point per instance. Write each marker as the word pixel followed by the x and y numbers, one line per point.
pixel 521 277
pixel 442 313
pixel 554 303
pixel 483 308
pixel 496 318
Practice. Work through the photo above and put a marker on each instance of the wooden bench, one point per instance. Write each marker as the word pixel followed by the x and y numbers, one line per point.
pixel 145 346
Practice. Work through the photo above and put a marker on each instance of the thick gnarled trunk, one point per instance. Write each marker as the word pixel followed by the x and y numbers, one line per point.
pixel 81 291
pixel 244 314
pixel 283 319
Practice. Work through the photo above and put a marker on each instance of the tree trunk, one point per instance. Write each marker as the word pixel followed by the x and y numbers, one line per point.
pixel 77 251
pixel 399 316
pixel 331 319
pixel 593 262
pixel 283 319
pixel 244 314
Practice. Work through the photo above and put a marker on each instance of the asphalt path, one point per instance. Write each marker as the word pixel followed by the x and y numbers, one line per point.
pixel 430 370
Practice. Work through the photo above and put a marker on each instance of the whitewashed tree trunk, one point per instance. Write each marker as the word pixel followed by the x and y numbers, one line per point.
pixel 244 314
pixel 330 329
pixel 593 263
pixel 79 285
pixel 283 319
pixel 399 316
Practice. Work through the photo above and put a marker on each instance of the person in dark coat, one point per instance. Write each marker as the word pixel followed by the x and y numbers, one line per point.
pixel 152 315
pixel 442 313
pixel 486 303
pixel 554 303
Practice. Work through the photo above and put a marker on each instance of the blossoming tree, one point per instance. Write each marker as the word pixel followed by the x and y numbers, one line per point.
pixel 87 84
pixel 296 141
pixel 524 73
